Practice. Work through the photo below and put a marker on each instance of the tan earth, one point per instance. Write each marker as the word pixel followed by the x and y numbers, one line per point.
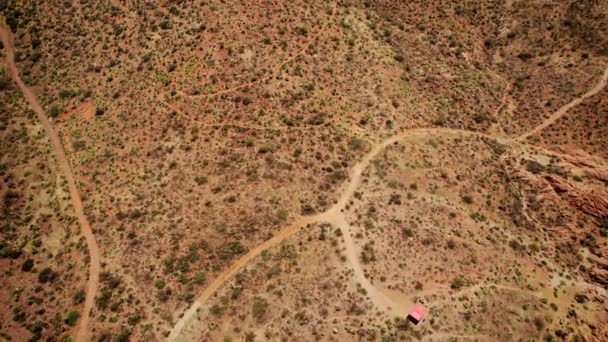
pixel 304 171
pixel 94 261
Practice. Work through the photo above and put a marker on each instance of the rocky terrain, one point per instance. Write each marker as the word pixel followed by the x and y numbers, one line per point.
pixel 291 170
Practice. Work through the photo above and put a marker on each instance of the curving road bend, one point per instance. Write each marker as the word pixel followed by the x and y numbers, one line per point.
pixel 564 109
pixel 335 216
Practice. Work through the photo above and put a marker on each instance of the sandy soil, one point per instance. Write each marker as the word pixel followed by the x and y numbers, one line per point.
pixel 278 68
pixel 393 304
pixel 335 215
pixel 62 160
pixel 563 110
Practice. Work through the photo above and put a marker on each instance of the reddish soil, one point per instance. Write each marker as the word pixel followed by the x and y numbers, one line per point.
pixel 94 263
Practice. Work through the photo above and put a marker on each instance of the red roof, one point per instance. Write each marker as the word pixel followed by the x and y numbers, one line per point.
pixel 417 312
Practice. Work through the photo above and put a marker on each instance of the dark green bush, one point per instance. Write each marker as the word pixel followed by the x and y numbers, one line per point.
pixel 54 111
pixel 27 265
pixel 47 275
pixel 231 249
pixel 525 55
pixel 534 167
pixel 72 318
pixel 458 283
pixel 260 306
pixel 200 180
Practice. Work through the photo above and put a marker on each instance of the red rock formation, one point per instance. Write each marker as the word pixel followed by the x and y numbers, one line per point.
pixel 591 200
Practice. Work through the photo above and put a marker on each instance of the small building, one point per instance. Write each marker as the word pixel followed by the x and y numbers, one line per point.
pixel 416 314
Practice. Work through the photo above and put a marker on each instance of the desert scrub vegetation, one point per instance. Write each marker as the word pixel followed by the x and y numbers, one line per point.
pixel 39 238
pixel 227 140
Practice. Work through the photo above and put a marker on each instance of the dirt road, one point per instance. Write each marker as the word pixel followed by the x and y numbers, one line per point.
pixel 392 304
pixel 396 306
pixel 64 166
pixel 333 215
pixel 560 112
pixel 233 269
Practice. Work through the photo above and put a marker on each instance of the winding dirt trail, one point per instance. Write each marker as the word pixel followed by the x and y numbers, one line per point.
pixel 333 215
pixel 564 109
pixel 233 269
pixel 394 305
pixel 94 264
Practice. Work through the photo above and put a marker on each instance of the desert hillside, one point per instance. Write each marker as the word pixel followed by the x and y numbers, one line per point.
pixel 276 170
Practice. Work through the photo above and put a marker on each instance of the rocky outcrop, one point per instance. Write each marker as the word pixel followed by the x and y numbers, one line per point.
pixel 591 200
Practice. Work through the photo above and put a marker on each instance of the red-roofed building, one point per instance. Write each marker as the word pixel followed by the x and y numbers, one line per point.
pixel 417 313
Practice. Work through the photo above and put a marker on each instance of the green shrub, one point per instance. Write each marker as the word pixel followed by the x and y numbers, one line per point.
pixel 534 167
pixel 12 21
pixel 199 278
pixel 525 55
pixel 110 280
pixel 216 310
pixel 407 232
pixel 480 117
pixel 165 25
pixel 516 246
pixel 135 214
pixel 604 230
pixel 47 275
pixel 229 250
pixel 103 300
pixel 78 145
pixel 337 176
pixel 123 336
pixel 27 265
pixel 356 143
pixel 458 283
pixel 5 83
pixel 54 111
pixel 302 31
pixel 66 94
pixel 287 251
pixel 78 297
pixel 260 306
pixel 72 318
